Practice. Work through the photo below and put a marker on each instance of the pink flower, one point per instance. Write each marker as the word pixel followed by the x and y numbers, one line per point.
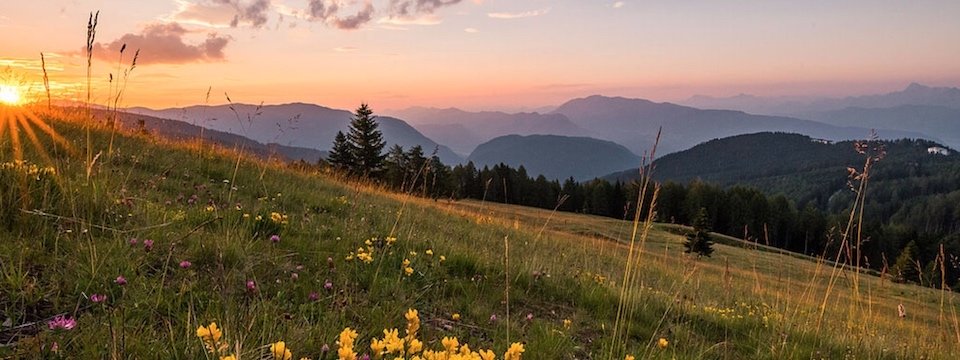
pixel 530 317
pixel 274 238
pixel 61 322
pixel 98 298
pixel 148 245
pixel 314 296
pixel 251 285
pixel 328 285
pixel 185 264
pixel 133 241
pixel 120 280
pixel 325 348
pixel 294 276
pixel 493 318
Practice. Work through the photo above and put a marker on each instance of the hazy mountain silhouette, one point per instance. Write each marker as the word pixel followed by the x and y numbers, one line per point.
pixel 464 130
pixel 939 121
pixel 913 94
pixel 554 156
pixel 296 124
pixel 179 130
pixel 634 124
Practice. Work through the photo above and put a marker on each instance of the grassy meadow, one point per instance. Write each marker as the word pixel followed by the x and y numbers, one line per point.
pixel 156 239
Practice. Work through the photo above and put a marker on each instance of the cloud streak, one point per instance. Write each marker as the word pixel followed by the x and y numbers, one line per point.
pixel 328 12
pixel 222 13
pixel 165 44
pixel 518 15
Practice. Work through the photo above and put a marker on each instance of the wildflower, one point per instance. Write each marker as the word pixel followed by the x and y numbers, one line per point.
pixel 455 316
pixel 493 318
pixel 413 253
pixel 406 262
pixel 147 245
pixel 133 241
pixel 629 357
pixel 451 344
pixel 567 323
pixel 529 316
pixel 330 262
pixel 210 335
pixel 325 348
pixel 61 322
pixel 487 355
pixel 429 252
pixel 443 258
pixel 294 276
pixel 328 285
pixel 514 352
pixel 98 298
pixel 228 357
pixel 662 343
pixel 314 296
pixel 414 346
pixel 210 208
pixel 413 323
pixel 391 240
pixel 347 337
pixel 120 280
pixel 280 351
pixel 274 238
pixel 185 264
pixel 251 285
pixel 408 271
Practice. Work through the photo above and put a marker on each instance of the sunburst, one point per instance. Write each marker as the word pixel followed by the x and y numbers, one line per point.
pixel 19 121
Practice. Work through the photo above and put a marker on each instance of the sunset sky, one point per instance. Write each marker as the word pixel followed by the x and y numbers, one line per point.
pixel 481 54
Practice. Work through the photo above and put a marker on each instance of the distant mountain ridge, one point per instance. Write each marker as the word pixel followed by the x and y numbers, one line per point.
pixel 940 121
pixel 555 156
pixel 464 130
pixel 634 123
pixel 913 94
pixel 296 124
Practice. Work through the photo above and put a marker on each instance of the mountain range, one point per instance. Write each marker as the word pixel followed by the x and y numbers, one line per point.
pixel 297 124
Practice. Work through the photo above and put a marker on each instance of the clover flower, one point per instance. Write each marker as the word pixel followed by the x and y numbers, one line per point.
pixel 61 322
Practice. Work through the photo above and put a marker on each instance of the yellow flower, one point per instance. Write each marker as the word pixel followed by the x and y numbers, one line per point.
pixel 413 323
pixel 408 271
pixel 347 337
pixel 567 323
pixel 392 341
pixel 451 344
pixel 455 316
pixel 429 252
pixel 228 357
pixel 391 240
pixel 280 351
pixel 443 258
pixel 413 253
pixel 414 346
pixel 662 343
pixel 210 336
pixel 377 346
pixel 514 352
pixel 487 355
pixel 406 262
pixel 629 357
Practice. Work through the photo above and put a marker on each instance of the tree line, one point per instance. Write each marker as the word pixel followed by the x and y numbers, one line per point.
pixel 904 244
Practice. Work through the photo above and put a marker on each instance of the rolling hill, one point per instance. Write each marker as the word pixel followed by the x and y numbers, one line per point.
pixel 554 156
pixel 940 121
pixel 634 124
pixel 296 124
pixel 464 130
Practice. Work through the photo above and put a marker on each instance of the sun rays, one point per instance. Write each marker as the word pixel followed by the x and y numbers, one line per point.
pixel 20 125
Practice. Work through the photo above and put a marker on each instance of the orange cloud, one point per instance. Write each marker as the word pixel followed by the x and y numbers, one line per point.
pixel 165 44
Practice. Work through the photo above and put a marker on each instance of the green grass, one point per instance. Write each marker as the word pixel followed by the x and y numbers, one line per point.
pixel 73 240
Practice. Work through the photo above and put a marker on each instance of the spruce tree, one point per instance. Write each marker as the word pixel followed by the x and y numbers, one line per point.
pixel 905 268
pixel 698 241
pixel 366 142
pixel 341 155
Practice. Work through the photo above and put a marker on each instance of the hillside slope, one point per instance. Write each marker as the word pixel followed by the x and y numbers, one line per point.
pixel 131 255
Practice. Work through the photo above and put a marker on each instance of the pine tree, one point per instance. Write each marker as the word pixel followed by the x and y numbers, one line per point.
pixel 698 241
pixel 366 142
pixel 905 268
pixel 395 167
pixel 341 155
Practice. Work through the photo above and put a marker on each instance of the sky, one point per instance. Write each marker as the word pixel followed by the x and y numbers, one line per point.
pixel 476 54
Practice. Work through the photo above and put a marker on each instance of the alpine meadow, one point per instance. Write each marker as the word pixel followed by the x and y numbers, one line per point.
pixel 442 179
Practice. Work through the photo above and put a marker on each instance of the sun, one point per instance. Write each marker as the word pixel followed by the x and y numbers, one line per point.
pixel 10 95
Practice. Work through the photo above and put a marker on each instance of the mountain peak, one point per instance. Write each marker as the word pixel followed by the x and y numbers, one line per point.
pixel 914 86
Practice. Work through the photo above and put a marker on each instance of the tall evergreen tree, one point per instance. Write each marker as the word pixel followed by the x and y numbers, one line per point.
pixel 366 142
pixel 341 155
pixel 698 241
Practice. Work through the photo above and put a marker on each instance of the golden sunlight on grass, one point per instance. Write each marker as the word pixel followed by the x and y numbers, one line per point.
pixel 18 120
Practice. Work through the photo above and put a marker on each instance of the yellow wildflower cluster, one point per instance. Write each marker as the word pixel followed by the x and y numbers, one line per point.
pixel 28 169
pixel 407 270
pixel 278 218
pixel 365 254
pixel 392 346
pixel 280 351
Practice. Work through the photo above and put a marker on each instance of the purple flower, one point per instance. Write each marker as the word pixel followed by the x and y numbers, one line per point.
pixel 120 280
pixel 328 285
pixel 314 296
pixel 529 316
pixel 274 238
pixel 61 322
pixel 148 245
pixel 493 318
pixel 185 264
pixel 133 241
pixel 251 285
pixel 365 357
pixel 98 298
pixel 325 348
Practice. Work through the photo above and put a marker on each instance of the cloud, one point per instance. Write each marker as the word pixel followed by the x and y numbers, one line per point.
pixel 618 4
pixel 402 21
pixel 518 15
pixel 222 13
pixel 328 12
pixel 471 30
pixel 164 44
pixel 344 49
pixel 405 8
